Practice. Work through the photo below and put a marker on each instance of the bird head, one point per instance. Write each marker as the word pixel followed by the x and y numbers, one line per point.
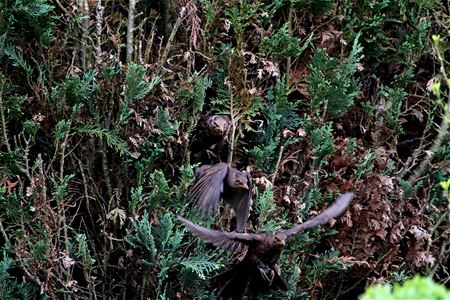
pixel 241 181
pixel 219 124
pixel 280 239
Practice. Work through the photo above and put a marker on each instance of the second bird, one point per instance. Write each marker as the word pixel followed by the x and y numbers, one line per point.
pixel 222 181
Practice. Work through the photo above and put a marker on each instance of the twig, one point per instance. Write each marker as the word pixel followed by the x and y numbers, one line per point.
pixel 165 54
pixel 31 276
pixel 85 33
pixel 289 60
pixel 2 118
pixel 98 28
pixel 149 45
pixel 277 166
pixel 130 29
pixel 106 173
pixel 233 128
pixel 443 130
pixel 5 236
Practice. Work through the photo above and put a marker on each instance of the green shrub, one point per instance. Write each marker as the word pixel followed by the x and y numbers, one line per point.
pixel 415 288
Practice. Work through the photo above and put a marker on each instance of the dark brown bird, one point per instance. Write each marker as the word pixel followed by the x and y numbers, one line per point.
pixel 210 138
pixel 216 126
pixel 221 181
pixel 256 274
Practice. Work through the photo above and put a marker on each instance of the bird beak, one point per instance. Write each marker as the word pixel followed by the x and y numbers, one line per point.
pixel 245 186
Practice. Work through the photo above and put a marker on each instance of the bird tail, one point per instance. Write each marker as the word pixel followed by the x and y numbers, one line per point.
pixel 232 283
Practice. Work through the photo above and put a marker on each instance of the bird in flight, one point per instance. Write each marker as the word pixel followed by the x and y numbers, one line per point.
pixel 222 181
pixel 257 274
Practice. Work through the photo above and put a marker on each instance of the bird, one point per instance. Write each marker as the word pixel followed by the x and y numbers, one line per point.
pixel 216 126
pixel 210 137
pixel 256 274
pixel 223 181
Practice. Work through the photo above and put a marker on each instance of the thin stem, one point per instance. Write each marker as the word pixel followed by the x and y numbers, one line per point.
pixel 130 29
pixel 2 118
pixel 233 128
pixel 442 133
pixel 277 166
pixel 170 40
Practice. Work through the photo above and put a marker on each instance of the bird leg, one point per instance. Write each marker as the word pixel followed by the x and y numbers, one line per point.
pixel 211 154
pixel 267 273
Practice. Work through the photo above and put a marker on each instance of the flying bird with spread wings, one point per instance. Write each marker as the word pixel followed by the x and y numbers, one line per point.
pixel 257 274
pixel 222 181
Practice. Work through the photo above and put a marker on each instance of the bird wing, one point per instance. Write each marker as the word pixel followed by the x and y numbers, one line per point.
pixel 207 189
pixel 335 210
pixel 231 241
pixel 241 202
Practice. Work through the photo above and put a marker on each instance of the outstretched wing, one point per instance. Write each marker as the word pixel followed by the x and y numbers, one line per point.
pixel 208 188
pixel 231 241
pixel 241 202
pixel 335 210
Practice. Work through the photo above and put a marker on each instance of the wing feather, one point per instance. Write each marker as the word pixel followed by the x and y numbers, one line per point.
pixel 206 191
pixel 335 210
pixel 230 241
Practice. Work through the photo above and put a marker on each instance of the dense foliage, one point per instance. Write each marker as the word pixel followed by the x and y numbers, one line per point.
pixel 99 101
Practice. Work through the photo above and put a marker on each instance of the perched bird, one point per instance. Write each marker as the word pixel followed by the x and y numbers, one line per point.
pixel 222 181
pixel 256 274
pixel 210 138
pixel 216 126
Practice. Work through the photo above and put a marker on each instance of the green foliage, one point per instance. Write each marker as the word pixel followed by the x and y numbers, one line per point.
pixel 281 45
pixel 28 18
pixel 393 97
pixel 393 106
pixel 414 288
pixel 201 264
pixel 280 114
pixel 141 237
pixel 325 263
pixel 112 140
pixel 74 91
pixel 239 17
pixel 313 197
pixel 83 251
pixel 365 166
pixel 164 125
pixel 332 85
pixel 403 45
pixel 160 246
pixel 322 141
pixel 408 188
pixel 30 128
pixel 136 88
pixel 61 187
pixel 264 204
pixel 19 61
pixel 136 199
pixel 227 102
pixel 160 189
pixel 263 155
pixel 201 84
pixel 10 288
